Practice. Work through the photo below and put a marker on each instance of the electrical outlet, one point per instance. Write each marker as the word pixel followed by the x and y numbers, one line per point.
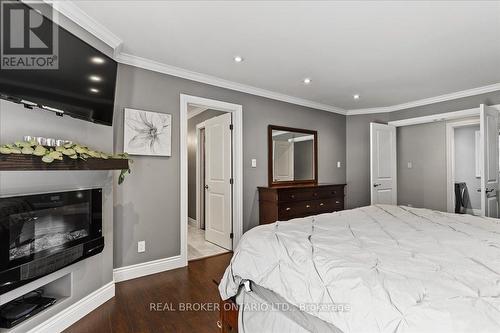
pixel 141 246
pixel 339 165
pixel 410 165
pixel 254 163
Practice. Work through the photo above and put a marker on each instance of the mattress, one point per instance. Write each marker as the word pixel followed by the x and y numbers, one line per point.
pixel 379 269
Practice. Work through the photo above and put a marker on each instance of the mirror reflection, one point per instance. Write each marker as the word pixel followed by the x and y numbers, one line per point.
pixel 293 156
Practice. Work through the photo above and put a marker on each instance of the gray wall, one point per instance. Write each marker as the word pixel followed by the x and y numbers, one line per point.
pixel 15 122
pixel 358 140
pixel 465 162
pixel 192 146
pixel 423 185
pixel 147 204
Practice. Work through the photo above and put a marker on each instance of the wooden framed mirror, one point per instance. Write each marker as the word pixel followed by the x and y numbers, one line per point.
pixel 292 156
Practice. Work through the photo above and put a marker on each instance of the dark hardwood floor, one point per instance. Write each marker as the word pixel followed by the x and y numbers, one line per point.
pixel 131 309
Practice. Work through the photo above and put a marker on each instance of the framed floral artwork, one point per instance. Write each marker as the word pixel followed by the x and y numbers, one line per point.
pixel 147 133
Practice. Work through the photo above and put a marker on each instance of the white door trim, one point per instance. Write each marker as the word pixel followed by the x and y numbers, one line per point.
pixel 237 112
pixel 474 112
pixel 450 158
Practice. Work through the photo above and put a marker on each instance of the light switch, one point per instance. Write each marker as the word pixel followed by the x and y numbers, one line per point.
pixel 141 246
pixel 339 164
pixel 254 163
pixel 410 165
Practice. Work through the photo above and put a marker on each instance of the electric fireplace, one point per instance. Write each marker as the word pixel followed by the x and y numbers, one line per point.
pixel 40 234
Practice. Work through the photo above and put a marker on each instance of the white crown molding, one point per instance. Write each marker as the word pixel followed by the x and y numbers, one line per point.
pixel 64 319
pixel 155 66
pixel 80 17
pixel 427 101
pixel 147 268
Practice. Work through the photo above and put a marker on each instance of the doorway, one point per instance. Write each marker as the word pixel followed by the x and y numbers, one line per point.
pixel 464 166
pixel 211 177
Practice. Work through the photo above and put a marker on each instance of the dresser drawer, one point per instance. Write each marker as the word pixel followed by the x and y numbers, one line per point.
pixel 330 205
pixel 290 210
pixel 331 192
pixel 310 194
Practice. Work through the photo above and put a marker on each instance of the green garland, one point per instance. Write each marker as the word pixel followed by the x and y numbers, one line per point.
pixel 70 150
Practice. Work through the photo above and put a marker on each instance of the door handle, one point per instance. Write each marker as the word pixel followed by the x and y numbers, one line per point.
pixel 488 190
pixel 206 187
pixel 376 185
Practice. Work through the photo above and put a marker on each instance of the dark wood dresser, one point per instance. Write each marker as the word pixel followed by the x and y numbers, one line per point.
pixel 282 203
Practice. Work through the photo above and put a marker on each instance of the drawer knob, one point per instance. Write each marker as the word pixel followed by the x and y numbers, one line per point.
pixel 219 324
pixel 334 192
pixel 288 208
pixel 321 204
pixel 308 206
pixel 292 196
pixel 337 202
pixel 315 194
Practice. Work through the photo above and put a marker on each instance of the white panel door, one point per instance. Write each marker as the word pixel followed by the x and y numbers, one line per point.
pixel 218 188
pixel 283 161
pixel 383 171
pixel 489 169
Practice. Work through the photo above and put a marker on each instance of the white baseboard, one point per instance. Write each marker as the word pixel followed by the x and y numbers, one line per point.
pixel 76 311
pixel 147 268
pixel 193 222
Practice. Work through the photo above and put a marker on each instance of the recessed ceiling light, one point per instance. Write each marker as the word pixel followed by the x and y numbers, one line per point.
pixel 95 78
pixel 355 96
pixel 97 60
pixel 94 90
pixel 238 59
pixel 307 80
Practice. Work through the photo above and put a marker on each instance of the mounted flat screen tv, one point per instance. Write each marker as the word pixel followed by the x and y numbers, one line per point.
pixel 83 85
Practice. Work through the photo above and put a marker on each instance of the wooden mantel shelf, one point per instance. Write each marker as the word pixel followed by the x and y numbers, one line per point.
pixel 19 162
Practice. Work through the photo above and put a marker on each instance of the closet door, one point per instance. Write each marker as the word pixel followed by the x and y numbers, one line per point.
pixel 383 164
pixel 489 150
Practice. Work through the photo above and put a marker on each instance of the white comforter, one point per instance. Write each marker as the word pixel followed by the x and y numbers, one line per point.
pixel 399 269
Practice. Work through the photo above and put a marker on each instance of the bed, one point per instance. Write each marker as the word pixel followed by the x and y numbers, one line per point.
pixel 379 268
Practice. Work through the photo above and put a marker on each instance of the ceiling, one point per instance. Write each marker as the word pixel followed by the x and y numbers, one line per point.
pixel 388 52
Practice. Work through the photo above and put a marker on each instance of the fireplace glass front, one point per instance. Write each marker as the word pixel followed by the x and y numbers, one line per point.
pixel 36 226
